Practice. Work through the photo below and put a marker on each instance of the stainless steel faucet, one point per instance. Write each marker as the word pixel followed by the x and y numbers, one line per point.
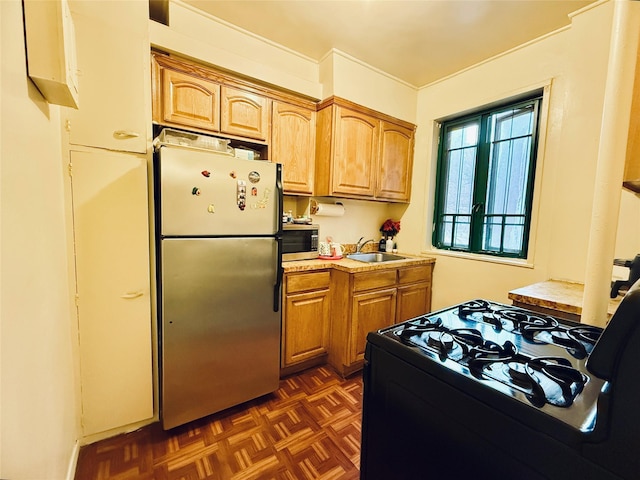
pixel 361 244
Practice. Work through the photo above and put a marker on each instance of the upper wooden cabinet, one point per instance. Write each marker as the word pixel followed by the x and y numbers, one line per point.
pixel 192 96
pixel 362 153
pixel 347 152
pixel 189 101
pixel 293 144
pixel 395 162
pixel 196 97
pixel 113 76
pixel 244 114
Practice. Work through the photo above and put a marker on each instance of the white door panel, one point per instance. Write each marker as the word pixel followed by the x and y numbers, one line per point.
pixel 110 209
pixel 113 75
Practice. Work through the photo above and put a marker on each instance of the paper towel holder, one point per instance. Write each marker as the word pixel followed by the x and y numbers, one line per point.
pixel 314 207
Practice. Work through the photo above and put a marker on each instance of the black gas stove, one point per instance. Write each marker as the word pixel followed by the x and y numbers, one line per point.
pixel 495 391
pixel 531 357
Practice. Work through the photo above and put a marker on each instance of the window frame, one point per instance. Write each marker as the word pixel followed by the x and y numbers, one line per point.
pixel 480 185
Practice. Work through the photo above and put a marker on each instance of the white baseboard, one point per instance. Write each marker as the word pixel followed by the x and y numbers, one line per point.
pixel 73 461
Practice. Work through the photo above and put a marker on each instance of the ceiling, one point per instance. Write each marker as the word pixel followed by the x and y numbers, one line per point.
pixel 417 41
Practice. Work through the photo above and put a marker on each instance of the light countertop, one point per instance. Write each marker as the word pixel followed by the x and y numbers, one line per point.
pixel 557 295
pixel 353 266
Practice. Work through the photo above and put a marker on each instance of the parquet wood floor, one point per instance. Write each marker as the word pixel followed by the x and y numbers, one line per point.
pixel 308 429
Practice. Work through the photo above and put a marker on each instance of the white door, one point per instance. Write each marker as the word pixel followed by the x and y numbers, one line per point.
pixel 114 79
pixel 111 233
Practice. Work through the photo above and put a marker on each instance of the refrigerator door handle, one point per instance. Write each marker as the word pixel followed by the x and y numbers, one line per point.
pixel 280 196
pixel 277 294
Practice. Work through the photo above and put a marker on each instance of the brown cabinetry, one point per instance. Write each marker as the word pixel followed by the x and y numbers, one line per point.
pixel 293 143
pixel 305 320
pixel 189 101
pixel 192 96
pixel 244 114
pixel 414 292
pixel 396 163
pixel 367 301
pixel 346 152
pixel 632 166
pixel 280 125
pixel 361 153
pixel 370 311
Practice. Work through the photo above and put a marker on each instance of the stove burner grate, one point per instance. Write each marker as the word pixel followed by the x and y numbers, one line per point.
pixel 474 306
pixel 542 380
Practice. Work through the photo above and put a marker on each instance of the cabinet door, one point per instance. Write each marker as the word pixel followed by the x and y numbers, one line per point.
pixel 293 145
pixel 111 234
pixel 113 75
pixel 189 101
pixel 631 178
pixel 370 311
pixel 356 151
pixel 413 300
pixel 395 163
pixel 305 326
pixel 244 114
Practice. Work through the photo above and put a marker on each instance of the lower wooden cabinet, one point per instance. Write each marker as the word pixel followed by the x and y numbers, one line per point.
pixel 370 311
pixel 414 292
pixel 367 301
pixel 305 320
pixel 327 314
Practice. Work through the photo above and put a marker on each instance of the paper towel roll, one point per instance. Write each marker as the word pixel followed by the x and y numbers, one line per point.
pixel 327 209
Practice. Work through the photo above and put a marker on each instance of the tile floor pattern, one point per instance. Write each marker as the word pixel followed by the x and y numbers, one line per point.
pixel 308 429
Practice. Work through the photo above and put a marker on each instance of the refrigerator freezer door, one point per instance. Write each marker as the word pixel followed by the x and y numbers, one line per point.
pixel 220 336
pixel 207 193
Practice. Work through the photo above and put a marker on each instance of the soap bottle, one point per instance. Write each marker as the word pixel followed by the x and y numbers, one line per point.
pixel 388 247
pixel 382 245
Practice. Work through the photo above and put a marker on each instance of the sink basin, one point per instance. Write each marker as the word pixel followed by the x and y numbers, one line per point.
pixel 375 257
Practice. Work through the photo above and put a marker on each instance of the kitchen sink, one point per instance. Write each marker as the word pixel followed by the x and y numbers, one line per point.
pixel 375 257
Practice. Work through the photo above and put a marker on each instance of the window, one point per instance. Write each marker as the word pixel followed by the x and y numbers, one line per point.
pixel 484 186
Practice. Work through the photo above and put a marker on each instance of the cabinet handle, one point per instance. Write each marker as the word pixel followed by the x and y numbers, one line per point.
pixel 131 295
pixel 124 134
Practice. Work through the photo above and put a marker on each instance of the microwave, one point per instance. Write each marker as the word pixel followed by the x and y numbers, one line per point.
pixel 299 242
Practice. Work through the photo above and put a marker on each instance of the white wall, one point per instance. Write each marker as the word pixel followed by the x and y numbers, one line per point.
pixel 207 39
pixel 573 63
pixel 38 421
pixel 345 76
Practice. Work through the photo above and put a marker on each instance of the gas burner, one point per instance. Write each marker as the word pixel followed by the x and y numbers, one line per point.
pixel 441 342
pixel 519 373
pixel 418 327
pixel 491 351
pixel 586 334
pixel 493 319
pixel 473 306
pixel 574 340
pixel 532 325
pixel 543 380
pixel 468 337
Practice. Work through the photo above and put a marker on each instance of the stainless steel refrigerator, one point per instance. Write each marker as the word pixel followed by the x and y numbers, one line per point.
pixel 219 279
